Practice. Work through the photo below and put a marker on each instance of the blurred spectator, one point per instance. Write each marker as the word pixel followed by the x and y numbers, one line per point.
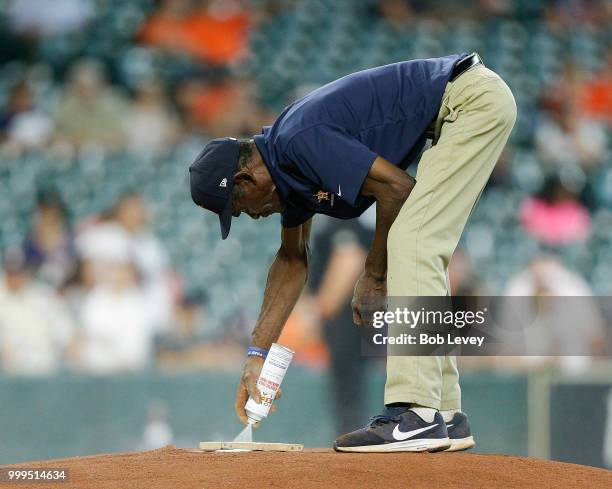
pixel 117 323
pixel 572 327
pixel 564 135
pixel 89 110
pixel 495 7
pixel 21 122
pixel 462 277
pixel 151 126
pixel 190 319
pixel 38 18
pixel 340 252
pixel 166 28
pixel 193 343
pixel 221 107
pixel 49 244
pixel 221 28
pixel 547 275
pixel 562 14
pixel 189 325
pixel 596 97
pixel 215 33
pixel 157 432
pixel 20 99
pixel 302 334
pixel 125 233
pixel 396 12
pixel 77 286
pixel 556 217
pixel 35 325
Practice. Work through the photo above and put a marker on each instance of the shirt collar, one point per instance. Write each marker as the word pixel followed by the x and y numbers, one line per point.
pixel 263 145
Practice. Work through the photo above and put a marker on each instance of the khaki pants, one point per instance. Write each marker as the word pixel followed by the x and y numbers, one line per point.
pixel 476 117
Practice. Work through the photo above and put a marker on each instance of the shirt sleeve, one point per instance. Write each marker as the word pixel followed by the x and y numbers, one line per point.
pixel 293 216
pixel 332 159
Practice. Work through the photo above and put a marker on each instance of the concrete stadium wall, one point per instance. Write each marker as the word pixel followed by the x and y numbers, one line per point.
pixel 66 416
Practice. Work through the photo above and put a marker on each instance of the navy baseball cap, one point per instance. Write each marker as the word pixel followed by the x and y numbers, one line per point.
pixel 211 178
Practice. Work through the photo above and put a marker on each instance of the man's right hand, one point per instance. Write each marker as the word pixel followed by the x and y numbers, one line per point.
pixel 248 387
pixel 286 280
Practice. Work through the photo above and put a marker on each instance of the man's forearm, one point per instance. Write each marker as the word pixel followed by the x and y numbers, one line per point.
pixel 389 201
pixel 286 280
pixel 376 261
pixel 390 186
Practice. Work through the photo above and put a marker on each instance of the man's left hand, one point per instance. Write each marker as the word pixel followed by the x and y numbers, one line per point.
pixel 369 296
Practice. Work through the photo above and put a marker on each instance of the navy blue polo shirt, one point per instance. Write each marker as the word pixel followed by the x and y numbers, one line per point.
pixel 321 147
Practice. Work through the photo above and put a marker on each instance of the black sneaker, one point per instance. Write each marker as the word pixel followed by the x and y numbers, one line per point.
pixel 460 433
pixel 397 430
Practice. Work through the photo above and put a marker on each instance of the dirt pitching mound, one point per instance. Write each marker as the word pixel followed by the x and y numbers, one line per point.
pixel 173 468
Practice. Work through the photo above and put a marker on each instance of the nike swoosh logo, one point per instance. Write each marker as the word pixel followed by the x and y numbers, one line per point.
pixel 404 435
pixel 339 191
pixel 450 425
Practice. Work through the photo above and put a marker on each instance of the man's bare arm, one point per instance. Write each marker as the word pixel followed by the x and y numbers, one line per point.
pixel 286 279
pixel 390 186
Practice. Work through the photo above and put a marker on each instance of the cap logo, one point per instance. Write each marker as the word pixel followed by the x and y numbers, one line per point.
pixel 223 183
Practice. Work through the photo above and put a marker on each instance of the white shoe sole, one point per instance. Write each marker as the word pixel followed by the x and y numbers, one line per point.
pixel 419 445
pixel 461 444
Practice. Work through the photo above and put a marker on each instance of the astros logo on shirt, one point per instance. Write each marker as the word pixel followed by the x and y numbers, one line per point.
pixel 321 196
